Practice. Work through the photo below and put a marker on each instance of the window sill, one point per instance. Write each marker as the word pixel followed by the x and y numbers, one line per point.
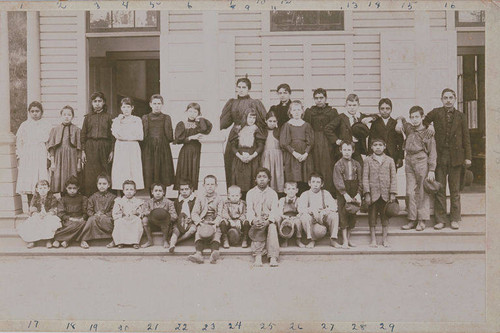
pixel 123 34
pixel 308 33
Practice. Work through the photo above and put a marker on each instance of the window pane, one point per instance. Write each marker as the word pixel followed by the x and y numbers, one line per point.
pixel 146 19
pixel 123 19
pixel 100 19
pixel 306 20
pixel 472 16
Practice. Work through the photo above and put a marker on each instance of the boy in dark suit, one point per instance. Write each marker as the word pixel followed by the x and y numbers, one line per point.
pixel 341 129
pixel 453 153
pixel 383 127
pixel 184 227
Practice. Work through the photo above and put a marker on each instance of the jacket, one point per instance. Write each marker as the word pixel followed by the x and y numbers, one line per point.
pixel 379 179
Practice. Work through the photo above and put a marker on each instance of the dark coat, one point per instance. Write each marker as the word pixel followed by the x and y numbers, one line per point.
pixel 340 129
pixel 459 145
pixel 393 140
pixel 178 205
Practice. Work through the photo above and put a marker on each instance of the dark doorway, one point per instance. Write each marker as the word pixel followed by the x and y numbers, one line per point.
pixel 471 101
pixel 126 74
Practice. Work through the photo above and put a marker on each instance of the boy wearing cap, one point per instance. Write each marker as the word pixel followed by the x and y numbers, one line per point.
pixel 317 206
pixel 206 215
pixel 158 211
pixel 380 187
pixel 184 227
pixel 347 177
pixel 420 163
pixel 288 210
pixel 262 210
pixel 233 215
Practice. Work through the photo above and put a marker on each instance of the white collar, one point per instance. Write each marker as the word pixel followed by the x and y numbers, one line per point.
pixel 181 198
pixel 296 122
pixel 357 115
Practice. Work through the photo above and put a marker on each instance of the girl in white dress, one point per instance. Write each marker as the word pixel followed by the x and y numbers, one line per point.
pixel 43 221
pixel 127 163
pixel 31 150
pixel 127 214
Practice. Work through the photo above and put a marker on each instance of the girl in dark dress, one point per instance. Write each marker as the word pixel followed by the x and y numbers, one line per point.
pixel 233 113
pixel 296 139
pixel 247 143
pixel 281 110
pixel 188 133
pixel 72 210
pixel 96 142
pixel 158 166
pixel 319 116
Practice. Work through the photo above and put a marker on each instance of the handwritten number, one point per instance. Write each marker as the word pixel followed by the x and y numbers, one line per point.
pixel 355 5
pixel 97 5
pixel 362 326
pixel 181 327
pixel 234 326
pixel 268 326
pixel 71 325
pixel 123 328
pixel 152 327
pixel 189 5
pixel 391 326
pixel 261 2
pixel 377 4
pixel 60 5
pixel 93 327
pixel 33 323
pixel 247 7
pixel 125 4
pixel 326 327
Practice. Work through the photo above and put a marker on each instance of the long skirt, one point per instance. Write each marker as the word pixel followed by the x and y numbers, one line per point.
pixel 97 227
pixel 127 165
pixel 36 227
pixel 128 230
pixel 70 230
pixel 97 152
pixel 32 167
pixel 157 162
pixel 188 164
pixel 66 161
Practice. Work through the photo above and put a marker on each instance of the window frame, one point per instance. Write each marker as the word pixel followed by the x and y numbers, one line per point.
pixel 127 29
pixel 459 24
pixel 345 25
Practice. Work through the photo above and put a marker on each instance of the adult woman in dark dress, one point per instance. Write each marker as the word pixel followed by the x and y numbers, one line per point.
pixel 281 110
pixel 319 116
pixel 233 113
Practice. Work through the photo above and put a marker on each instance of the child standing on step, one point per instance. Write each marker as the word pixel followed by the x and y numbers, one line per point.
pixel 297 139
pixel 100 212
pixel 72 211
pixel 183 228
pixel 127 165
pixel 233 216
pixel 380 187
pixel 127 213
pixel 206 215
pixel 64 150
pixel 317 206
pixel 158 211
pixel 156 153
pixel 348 180
pixel 420 163
pixel 272 157
pixel 42 222
pixel 288 210
pixel 31 151
pixel 188 133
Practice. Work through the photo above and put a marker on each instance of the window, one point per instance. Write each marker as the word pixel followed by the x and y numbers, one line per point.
pixel 469 18
pixel 122 20
pixel 307 20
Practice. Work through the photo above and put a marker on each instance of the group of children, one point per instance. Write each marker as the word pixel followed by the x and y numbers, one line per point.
pixel 286 152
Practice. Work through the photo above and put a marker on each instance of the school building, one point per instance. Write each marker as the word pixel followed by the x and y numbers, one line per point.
pixel 189 56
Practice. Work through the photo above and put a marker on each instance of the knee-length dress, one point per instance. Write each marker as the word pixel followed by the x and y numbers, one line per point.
pixel 31 150
pixel 100 212
pixel 127 164
pixel 233 113
pixel 322 152
pixel 249 139
pixel 188 163
pixel 64 146
pixel 127 214
pixel 72 210
pixel 97 143
pixel 157 162
pixel 272 159
pixel 43 223
pixel 300 139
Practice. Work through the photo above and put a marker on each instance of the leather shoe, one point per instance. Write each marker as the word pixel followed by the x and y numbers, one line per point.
pixel 455 225
pixel 439 226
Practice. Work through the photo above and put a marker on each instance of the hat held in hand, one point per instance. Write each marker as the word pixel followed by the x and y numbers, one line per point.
pixel 318 231
pixel 206 230
pixel 287 228
pixel 431 186
pixel 392 209
pixel 233 236
pixel 352 207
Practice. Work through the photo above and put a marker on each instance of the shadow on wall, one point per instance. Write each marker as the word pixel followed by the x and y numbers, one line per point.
pixel 18 69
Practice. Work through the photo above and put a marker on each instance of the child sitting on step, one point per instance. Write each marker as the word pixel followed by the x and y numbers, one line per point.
pixel 233 216
pixel 160 212
pixel 127 213
pixel 183 228
pixel 288 210
pixel 206 216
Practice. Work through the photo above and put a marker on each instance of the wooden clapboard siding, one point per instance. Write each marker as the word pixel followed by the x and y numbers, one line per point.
pixel 438 20
pixel 185 21
pixel 375 20
pixel 59 62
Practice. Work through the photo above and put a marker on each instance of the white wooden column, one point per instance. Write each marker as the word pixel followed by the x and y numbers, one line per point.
pixel 83 68
pixel 210 109
pixel 422 49
pixel 163 53
pixel 33 55
pixel 10 202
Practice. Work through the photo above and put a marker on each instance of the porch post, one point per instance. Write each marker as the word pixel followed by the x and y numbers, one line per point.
pixel 10 202
pixel 33 54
